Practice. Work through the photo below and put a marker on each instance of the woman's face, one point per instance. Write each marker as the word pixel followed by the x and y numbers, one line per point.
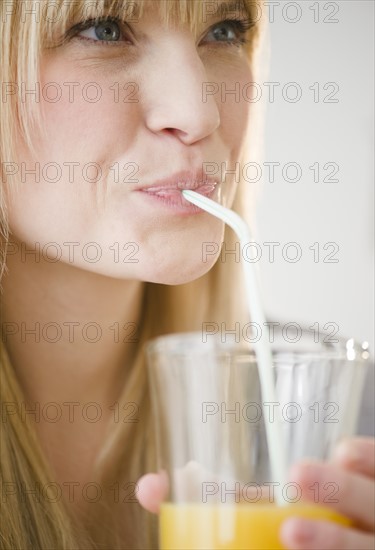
pixel 134 113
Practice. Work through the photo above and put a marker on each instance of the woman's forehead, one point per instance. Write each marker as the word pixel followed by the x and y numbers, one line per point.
pixel 201 5
pixel 183 10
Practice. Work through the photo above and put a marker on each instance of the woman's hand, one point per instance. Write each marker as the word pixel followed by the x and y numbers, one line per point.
pixel 352 470
pixel 152 489
pixel 187 481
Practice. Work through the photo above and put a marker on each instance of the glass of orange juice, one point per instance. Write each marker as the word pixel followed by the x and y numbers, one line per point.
pixel 209 419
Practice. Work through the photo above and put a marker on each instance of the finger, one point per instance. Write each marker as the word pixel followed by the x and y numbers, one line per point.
pixel 357 454
pixel 347 492
pixel 302 534
pixel 152 490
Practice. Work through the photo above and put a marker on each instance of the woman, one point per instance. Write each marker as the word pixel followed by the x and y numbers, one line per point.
pixel 110 109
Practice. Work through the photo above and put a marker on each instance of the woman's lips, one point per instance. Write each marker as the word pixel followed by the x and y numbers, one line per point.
pixel 172 197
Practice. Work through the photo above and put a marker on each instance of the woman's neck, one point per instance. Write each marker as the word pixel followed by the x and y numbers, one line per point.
pixel 68 332
pixel 71 336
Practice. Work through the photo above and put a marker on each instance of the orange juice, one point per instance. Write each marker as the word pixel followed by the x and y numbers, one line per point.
pixel 232 526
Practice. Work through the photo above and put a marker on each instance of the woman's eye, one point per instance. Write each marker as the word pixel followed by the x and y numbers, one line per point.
pixel 111 30
pixel 231 31
pixel 104 31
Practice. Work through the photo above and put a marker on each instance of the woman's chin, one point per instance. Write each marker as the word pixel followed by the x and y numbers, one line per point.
pixel 180 274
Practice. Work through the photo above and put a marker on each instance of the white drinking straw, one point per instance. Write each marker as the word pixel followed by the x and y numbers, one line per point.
pixel 263 350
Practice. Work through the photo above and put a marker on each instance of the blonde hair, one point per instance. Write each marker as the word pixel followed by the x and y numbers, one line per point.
pixel 130 449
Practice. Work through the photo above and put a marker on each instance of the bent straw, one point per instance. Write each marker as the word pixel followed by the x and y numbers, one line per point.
pixel 263 351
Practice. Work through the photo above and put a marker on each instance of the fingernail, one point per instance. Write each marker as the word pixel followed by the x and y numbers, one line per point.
pixel 347 452
pixel 306 472
pixel 305 531
pixel 298 530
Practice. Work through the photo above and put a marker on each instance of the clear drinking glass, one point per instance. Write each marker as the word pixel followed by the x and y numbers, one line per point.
pixel 209 418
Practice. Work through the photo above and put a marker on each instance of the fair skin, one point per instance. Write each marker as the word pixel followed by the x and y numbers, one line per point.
pixel 168 130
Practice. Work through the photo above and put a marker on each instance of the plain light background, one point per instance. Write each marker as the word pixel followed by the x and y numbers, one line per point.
pixel 308 132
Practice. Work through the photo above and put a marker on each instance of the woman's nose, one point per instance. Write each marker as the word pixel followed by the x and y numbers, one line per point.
pixel 174 96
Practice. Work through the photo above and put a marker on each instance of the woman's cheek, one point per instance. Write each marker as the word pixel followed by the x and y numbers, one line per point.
pixel 94 116
pixel 76 211
pixel 231 84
